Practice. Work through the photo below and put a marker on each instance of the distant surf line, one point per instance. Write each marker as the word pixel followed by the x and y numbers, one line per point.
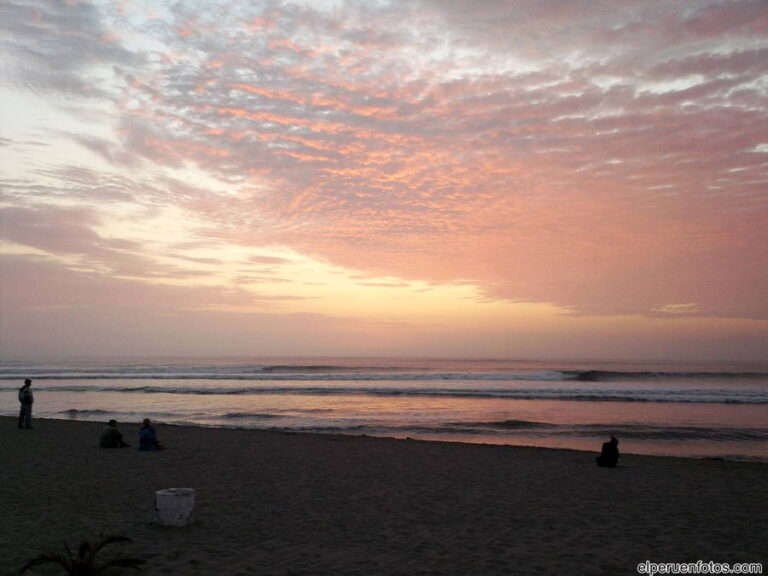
pixel 329 373
pixel 603 394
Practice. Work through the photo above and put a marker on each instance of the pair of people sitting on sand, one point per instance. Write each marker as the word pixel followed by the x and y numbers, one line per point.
pixel 112 438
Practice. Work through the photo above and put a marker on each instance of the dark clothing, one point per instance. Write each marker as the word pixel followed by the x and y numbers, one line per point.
pixel 25 416
pixel 148 439
pixel 25 413
pixel 609 455
pixel 111 438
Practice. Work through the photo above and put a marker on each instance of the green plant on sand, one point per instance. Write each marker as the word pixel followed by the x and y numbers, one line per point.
pixel 85 564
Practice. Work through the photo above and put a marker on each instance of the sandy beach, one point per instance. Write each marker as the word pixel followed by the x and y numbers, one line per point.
pixel 278 503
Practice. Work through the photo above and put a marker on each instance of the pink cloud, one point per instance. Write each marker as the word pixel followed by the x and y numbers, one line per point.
pixel 551 152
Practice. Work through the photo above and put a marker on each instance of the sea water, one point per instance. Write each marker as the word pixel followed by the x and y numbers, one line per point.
pixel 704 410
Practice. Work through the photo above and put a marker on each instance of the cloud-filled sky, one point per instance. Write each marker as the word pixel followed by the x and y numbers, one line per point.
pixel 582 179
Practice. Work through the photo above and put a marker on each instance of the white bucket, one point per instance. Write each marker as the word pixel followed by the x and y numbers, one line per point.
pixel 173 506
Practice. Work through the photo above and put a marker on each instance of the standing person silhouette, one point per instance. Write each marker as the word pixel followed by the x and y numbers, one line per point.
pixel 26 399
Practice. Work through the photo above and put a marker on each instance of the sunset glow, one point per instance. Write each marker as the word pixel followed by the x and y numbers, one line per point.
pixel 415 177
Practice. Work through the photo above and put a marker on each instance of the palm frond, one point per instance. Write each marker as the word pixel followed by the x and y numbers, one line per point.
pixel 86 563
pixel 134 563
pixel 106 540
pixel 68 551
pixel 84 552
pixel 48 558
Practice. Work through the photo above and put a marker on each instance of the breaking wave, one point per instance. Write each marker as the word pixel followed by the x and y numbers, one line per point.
pixel 663 394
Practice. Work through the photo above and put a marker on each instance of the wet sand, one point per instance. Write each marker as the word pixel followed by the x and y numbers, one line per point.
pixel 278 503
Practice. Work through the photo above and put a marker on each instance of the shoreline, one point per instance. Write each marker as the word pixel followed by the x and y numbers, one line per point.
pixel 594 452
pixel 448 439
pixel 281 502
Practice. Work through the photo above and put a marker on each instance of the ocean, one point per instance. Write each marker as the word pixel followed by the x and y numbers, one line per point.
pixel 689 410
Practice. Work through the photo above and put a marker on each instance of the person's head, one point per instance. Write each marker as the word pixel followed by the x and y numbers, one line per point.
pixel 614 440
pixel 112 423
pixel 147 422
pixel 27 382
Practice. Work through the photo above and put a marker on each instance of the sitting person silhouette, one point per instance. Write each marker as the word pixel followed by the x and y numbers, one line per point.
pixel 610 454
pixel 111 437
pixel 148 437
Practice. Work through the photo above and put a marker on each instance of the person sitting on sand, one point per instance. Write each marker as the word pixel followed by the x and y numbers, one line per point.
pixel 111 437
pixel 148 437
pixel 610 454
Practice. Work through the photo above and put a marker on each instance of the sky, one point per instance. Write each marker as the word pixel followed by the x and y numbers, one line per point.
pixel 450 178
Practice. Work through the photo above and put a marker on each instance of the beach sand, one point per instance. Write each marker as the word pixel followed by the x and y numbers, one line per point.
pixel 279 503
